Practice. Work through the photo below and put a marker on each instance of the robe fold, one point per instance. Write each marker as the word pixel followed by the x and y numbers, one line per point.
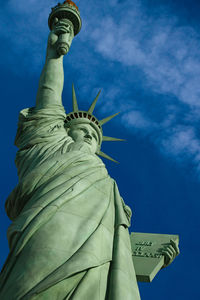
pixel 69 237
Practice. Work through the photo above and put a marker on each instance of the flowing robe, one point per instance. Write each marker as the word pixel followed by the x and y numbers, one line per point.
pixel 69 237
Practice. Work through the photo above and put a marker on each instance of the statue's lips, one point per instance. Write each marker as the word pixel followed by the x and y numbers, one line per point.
pixel 88 141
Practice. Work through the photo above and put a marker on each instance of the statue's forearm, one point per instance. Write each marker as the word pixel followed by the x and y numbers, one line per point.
pixel 52 77
pixel 51 83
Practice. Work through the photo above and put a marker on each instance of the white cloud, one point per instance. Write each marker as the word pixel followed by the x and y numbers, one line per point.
pixel 168 54
pixel 183 142
pixel 23 26
pixel 137 120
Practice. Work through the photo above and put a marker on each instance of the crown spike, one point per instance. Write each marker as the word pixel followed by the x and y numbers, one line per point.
pixel 102 122
pixel 92 107
pixel 107 156
pixel 111 139
pixel 75 103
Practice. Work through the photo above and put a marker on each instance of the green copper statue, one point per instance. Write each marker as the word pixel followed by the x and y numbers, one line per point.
pixel 69 235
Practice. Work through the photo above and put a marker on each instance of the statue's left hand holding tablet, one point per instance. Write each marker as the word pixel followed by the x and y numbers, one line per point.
pixel 170 251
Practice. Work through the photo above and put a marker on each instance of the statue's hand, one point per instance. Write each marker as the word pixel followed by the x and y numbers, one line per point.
pixel 60 38
pixel 170 251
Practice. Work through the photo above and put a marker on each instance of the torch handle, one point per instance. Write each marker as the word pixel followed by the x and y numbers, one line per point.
pixel 63 44
pixel 64 39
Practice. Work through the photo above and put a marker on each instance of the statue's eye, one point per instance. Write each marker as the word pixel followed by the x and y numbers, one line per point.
pixel 94 136
pixel 83 129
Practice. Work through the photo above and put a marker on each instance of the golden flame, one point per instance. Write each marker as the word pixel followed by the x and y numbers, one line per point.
pixel 71 3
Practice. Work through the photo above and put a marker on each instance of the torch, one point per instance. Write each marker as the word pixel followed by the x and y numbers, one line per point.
pixel 69 13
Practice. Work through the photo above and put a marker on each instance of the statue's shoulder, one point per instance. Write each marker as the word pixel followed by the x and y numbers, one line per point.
pixel 24 113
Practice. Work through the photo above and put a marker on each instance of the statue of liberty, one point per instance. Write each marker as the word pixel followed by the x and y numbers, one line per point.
pixel 69 235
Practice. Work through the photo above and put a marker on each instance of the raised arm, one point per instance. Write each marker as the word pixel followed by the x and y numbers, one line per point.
pixel 52 76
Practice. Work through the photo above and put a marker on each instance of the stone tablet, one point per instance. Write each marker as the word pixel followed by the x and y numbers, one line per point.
pixel 147 256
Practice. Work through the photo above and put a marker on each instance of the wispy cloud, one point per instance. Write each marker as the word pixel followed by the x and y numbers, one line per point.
pixel 136 119
pixel 167 53
pixel 23 28
pixel 183 144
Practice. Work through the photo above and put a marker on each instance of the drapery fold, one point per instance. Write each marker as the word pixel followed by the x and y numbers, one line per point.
pixel 68 216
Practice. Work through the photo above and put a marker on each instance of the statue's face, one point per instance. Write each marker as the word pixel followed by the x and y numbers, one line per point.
pixel 85 133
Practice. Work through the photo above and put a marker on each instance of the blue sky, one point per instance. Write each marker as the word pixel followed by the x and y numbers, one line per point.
pixel 145 56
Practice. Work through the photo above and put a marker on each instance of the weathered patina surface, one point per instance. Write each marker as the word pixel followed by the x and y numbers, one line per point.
pixel 69 237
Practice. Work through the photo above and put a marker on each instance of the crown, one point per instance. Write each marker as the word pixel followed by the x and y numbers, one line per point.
pixel 78 116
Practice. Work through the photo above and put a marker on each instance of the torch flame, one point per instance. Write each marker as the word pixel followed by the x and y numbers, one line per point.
pixel 71 3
